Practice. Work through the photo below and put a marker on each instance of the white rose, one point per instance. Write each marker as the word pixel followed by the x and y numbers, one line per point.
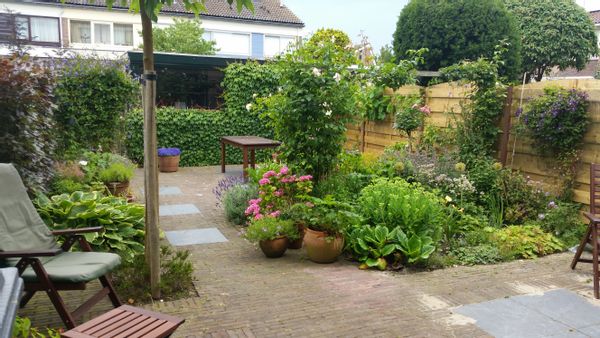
pixel 254 95
pixel 249 106
pixel 83 163
pixel 316 72
pixel 328 113
pixel 337 77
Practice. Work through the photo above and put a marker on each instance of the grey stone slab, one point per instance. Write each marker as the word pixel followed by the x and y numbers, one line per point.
pixel 178 209
pixel 195 236
pixel 167 190
pixel 591 331
pixel 507 318
pixel 564 306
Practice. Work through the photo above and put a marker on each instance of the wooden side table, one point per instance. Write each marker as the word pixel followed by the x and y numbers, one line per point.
pixel 127 322
pixel 247 144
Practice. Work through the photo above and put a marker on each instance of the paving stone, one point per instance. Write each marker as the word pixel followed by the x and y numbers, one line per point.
pixel 178 209
pixel 167 191
pixel 195 236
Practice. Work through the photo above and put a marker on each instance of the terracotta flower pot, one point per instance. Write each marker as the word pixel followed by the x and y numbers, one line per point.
pixel 168 164
pixel 321 248
pixel 118 188
pixel 274 248
pixel 297 244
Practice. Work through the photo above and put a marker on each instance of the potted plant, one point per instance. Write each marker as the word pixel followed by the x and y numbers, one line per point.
pixel 168 159
pixel 116 177
pixel 272 235
pixel 325 221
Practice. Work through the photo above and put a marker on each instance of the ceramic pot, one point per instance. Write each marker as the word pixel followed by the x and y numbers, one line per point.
pixel 168 164
pixel 274 248
pixel 297 244
pixel 322 248
pixel 118 188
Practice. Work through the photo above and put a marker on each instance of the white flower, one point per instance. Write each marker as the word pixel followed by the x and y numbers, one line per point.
pixel 328 113
pixel 280 89
pixel 333 39
pixel 316 71
pixel 448 199
pixel 254 95
pixel 83 163
pixel 249 106
pixel 369 84
pixel 337 77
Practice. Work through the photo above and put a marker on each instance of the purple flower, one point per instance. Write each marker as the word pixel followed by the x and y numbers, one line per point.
pixel 169 151
pixel 264 181
pixel 552 205
pixel 519 112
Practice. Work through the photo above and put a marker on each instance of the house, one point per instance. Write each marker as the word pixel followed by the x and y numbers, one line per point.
pixel 590 68
pixel 87 26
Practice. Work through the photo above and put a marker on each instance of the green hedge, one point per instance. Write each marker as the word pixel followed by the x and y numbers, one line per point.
pixel 196 132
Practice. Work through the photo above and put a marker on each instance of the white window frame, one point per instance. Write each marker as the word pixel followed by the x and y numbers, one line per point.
pixel 279 37
pixel 212 38
pixel 93 33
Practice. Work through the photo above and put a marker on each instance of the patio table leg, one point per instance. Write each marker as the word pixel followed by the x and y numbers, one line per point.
pixel 222 156
pixel 253 159
pixel 245 162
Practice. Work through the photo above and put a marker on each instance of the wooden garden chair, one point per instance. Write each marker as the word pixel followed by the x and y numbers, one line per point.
pixel 590 239
pixel 27 244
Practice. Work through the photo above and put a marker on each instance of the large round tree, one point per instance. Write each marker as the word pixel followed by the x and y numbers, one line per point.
pixel 455 30
pixel 554 33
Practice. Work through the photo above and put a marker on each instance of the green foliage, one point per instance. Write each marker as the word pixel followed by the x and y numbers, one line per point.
pixel 548 28
pixel 243 83
pixel 457 30
pixel 370 245
pixel 327 215
pixel 477 131
pixel 26 112
pixel 176 276
pixel 386 54
pixel 563 220
pixel 524 241
pixel 474 255
pixel 397 74
pixel 92 96
pixel 338 39
pixel 117 172
pixel 196 132
pixel 269 228
pixel 310 113
pixel 343 187
pixel 410 114
pixel 397 203
pixel 373 104
pixel 416 248
pixel 235 202
pixel 22 329
pixel 123 222
pixel 183 36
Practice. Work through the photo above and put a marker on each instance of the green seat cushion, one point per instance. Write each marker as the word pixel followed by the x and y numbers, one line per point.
pixel 75 267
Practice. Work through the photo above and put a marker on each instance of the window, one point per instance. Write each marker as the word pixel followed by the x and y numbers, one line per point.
pixel 123 34
pixel 37 29
pixel 101 33
pixel 231 43
pixel 81 32
pixel 275 45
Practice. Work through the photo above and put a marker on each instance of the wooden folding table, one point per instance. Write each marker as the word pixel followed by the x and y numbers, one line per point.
pixel 247 144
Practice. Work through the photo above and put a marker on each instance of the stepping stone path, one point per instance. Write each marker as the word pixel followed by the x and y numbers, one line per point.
pixel 195 236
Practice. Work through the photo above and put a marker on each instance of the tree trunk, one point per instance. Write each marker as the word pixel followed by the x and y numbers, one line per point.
pixel 150 156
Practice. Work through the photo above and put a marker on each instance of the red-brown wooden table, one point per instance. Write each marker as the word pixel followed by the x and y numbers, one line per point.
pixel 247 144
pixel 127 322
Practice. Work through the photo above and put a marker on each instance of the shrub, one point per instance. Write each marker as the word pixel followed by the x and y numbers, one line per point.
pixel 22 329
pixel 326 215
pixel 474 255
pixel 563 220
pixel 92 96
pixel 123 222
pixel 397 203
pixel 176 276
pixel 183 36
pixel 310 113
pixel 242 84
pixel 410 114
pixel 235 202
pixel 117 172
pixel 524 241
pixel 269 228
pixel 26 111
pixel 343 187
pixel 196 132
pixel 457 30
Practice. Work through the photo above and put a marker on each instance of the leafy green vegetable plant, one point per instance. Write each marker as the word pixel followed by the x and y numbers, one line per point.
pixel 123 222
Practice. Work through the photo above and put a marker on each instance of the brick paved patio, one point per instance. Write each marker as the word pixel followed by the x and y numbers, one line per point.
pixel 242 294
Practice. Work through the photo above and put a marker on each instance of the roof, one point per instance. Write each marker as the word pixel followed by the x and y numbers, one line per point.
pixel 588 72
pixel 595 16
pixel 272 11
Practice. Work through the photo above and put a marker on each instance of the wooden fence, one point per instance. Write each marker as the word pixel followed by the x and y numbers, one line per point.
pixel 445 101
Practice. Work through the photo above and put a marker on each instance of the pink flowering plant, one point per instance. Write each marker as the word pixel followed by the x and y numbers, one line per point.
pixel 277 191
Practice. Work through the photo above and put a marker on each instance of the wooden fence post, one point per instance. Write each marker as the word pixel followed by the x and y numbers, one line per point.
pixel 505 125
pixel 363 132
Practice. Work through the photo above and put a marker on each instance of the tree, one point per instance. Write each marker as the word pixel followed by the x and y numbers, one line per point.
pixel 149 10
pixel 554 33
pixel 184 36
pixel 386 54
pixel 456 30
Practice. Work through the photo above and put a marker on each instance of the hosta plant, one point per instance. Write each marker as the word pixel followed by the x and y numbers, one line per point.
pixel 370 245
pixel 123 222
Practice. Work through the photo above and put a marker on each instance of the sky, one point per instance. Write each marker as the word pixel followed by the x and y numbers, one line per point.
pixel 375 18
